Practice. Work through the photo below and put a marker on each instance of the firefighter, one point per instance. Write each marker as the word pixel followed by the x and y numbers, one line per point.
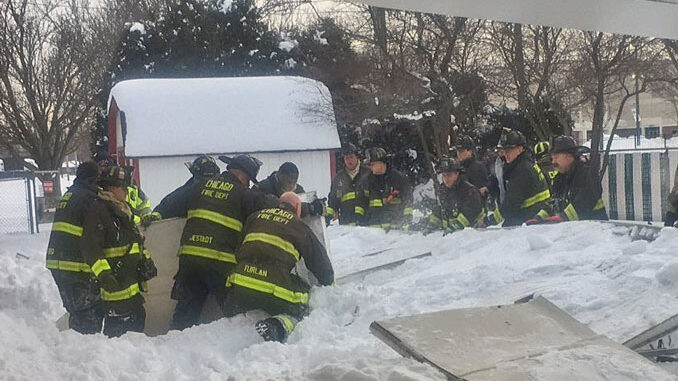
pixel 543 159
pixel 343 197
pixel 175 204
pixel 136 198
pixel 672 212
pixel 72 274
pixel 461 205
pixel 217 210
pixel 385 194
pixel 527 190
pixel 114 248
pixel 576 188
pixel 274 240
pixel 474 171
pixel 285 180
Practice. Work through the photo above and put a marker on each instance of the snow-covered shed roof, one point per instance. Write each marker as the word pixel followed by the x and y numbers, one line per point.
pixel 172 117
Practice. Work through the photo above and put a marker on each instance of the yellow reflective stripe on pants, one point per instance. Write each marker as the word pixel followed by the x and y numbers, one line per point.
pixel 463 220
pixel 359 210
pixel 116 296
pixel 543 214
pixel 434 220
pixel 267 288
pixel 571 213
pixel 204 252
pixel 286 321
pixel 537 198
pixel 54 264
pixel 600 205
pixel 137 219
pixel 67 228
pixel 100 266
pixel 114 252
pixel 330 211
pixel 348 196
pixel 408 211
pixel 273 240
pixel 376 203
pixel 217 218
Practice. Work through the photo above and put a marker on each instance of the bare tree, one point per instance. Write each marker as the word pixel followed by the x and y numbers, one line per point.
pixel 48 74
pixel 532 70
pixel 605 62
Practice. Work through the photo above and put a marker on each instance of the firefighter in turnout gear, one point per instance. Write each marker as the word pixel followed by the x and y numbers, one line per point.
pixel 217 210
pixel 114 248
pixel 343 192
pixel 274 240
pixel 461 205
pixel 72 274
pixel 139 204
pixel 543 159
pixel 136 198
pixel 474 171
pixel 384 195
pixel 285 180
pixel 527 190
pixel 576 188
pixel 175 204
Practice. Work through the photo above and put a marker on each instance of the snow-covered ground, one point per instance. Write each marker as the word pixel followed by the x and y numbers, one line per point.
pixel 616 286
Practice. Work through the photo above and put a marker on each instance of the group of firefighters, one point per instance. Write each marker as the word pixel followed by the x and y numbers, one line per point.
pixel 241 243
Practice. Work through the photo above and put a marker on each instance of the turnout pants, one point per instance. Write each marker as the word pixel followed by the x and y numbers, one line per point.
pixel 195 280
pixel 81 298
pixel 119 321
pixel 241 299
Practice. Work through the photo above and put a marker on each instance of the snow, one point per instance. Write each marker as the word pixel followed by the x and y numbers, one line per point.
pixel 629 143
pixel 171 117
pixel 614 285
pixel 138 27
pixel 287 43
pixel 225 6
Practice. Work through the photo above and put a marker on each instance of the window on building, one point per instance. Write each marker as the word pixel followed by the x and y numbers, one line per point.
pixel 652 132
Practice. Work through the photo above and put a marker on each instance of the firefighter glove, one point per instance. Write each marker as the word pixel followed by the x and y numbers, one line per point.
pixel 107 281
pixel 147 269
pixel 317 208
pixel 148 219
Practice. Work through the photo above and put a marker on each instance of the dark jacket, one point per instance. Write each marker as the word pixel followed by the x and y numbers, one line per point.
pixel 271 186
pixel 175 204
pixel 475 172
pixel 343 195
pixel 63 251
pixel 577 195
pixel 385 200
pixel 113 247
pixel 460 207
pixel 274 240
pixel 217 210
pixel 527 191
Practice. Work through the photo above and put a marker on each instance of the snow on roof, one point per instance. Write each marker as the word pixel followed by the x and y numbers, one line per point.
pixel 172 117
pixel 628 144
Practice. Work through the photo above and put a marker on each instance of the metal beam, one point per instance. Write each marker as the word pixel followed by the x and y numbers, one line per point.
pixel 648 18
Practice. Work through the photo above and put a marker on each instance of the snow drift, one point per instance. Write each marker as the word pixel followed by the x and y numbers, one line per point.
pixel 615 286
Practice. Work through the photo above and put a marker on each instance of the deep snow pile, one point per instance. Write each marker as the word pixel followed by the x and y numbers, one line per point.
pixel 616 286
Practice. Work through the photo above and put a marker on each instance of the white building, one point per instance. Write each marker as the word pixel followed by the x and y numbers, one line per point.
pixel 159 124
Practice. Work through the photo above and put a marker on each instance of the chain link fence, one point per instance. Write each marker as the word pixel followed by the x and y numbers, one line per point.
pixel 18 211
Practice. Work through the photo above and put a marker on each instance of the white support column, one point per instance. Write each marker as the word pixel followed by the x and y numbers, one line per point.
pixel 621 189
pixel 638 186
